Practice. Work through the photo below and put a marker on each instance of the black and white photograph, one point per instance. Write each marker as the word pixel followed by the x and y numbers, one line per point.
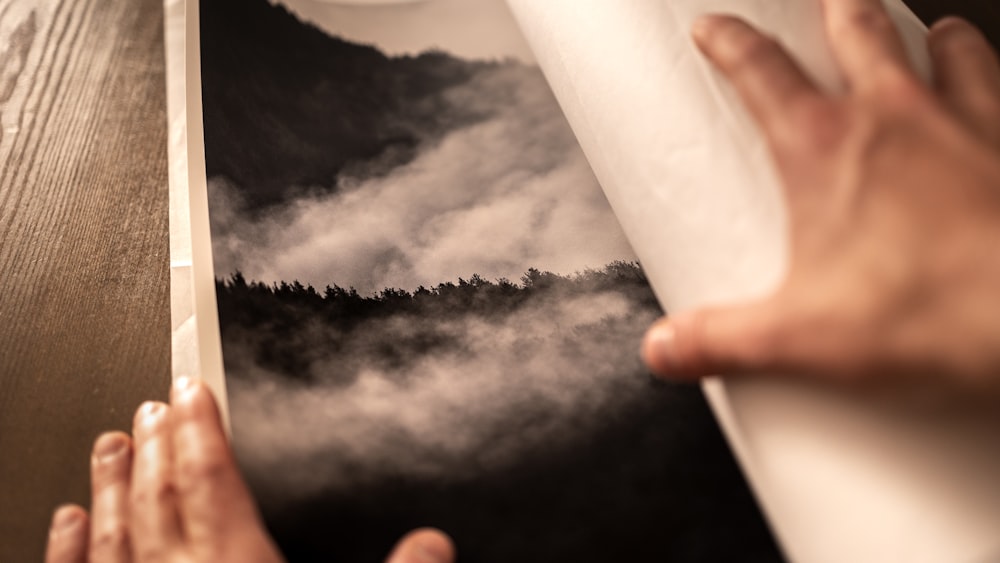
pixel 429 313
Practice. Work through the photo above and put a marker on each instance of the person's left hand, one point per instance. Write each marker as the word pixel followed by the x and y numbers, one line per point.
pixel 172 493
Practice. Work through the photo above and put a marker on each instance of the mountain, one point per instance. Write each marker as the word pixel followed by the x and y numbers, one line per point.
pixel 288 108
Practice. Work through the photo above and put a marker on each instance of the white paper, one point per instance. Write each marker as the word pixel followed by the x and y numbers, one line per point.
pixel 841 478
pixel 196 350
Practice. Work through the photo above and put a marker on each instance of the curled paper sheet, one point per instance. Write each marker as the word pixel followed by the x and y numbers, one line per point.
pixel 184 346
pixel 842 477
pixel 195 347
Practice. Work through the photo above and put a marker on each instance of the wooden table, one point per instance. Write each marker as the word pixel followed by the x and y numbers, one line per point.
pixel 84 310
pixel 84 314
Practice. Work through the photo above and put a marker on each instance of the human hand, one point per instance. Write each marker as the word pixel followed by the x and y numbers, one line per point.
pixel 172 493
pixel 893 194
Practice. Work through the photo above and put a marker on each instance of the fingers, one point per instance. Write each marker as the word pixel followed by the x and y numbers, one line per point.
pixel 68 536
pixel 866 44
pixel 155 527
pixel 967 72
pixel 772 85
pixel 714 342
pixel 176 492
pixel 423 546
pixel 111 467
pixel 212 495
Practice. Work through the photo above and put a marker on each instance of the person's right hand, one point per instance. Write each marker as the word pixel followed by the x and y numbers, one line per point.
pixel 893 192
pixel 171 493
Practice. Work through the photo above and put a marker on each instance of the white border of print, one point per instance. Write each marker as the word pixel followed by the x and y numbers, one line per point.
pixel 196 347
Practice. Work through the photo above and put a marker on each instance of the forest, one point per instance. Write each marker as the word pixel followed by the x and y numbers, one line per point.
pixel 290 325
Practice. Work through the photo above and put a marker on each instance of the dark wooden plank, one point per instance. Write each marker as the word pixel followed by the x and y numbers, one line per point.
pixel 84 327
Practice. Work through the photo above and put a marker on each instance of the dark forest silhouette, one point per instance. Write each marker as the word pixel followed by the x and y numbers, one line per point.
pixel 281 317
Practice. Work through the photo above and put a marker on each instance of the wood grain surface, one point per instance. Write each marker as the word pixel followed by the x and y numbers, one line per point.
pixel 84 327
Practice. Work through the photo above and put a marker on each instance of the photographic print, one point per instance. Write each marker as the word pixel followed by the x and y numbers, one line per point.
pixel 429 313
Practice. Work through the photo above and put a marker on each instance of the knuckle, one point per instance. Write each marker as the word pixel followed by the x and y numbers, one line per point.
pixel 160 492
pixel 110 538
pixel 817 126
pixel 870 19
pixel 754 52
pixel 895 91
pixel 196 473
pixel 901 90
pixel 108 475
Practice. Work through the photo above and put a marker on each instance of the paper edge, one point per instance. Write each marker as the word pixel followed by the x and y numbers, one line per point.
pixel 196 345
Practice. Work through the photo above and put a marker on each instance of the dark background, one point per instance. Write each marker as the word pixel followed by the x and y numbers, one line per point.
pixel 84 296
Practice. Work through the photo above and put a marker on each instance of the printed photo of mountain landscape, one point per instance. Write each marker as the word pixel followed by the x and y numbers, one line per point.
pixel 429 314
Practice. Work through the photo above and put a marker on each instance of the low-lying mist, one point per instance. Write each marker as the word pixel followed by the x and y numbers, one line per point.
pixel 445 384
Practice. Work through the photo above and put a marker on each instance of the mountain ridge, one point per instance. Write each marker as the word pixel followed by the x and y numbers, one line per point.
pixel 289 108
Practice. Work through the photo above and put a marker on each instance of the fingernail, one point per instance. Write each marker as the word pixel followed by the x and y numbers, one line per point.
pixel 658 348
pixel 66 519
pixel 151 410
pixel 109 446
pixel 184 383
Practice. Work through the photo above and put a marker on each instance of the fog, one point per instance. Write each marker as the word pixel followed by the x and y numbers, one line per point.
pixel 510 387
pixel 508 192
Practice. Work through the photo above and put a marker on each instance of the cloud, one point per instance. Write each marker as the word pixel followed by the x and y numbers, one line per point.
pixel 492 198
pixel 507 388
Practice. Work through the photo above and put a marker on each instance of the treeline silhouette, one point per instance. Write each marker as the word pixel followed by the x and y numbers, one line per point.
pixel 289 326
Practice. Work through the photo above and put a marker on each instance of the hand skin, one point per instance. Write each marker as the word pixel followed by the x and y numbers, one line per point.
pixel 172 493
pixel 893 194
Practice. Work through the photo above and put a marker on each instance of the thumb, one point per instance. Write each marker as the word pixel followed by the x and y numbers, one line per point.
pixel 425 545
pixel 715 341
